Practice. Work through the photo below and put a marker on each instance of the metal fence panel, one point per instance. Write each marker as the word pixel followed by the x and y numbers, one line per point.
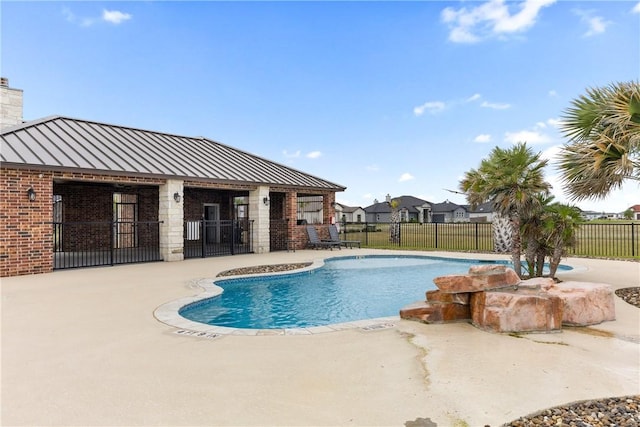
pixel 216 238
pixel 90 244
pixel 616 240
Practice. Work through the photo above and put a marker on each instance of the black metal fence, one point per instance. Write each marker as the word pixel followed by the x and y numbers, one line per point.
pixel 89 244
pixel 216 238
pixel 616 240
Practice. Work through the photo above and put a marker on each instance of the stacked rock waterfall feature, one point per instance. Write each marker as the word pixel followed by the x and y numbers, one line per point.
pixel 493 298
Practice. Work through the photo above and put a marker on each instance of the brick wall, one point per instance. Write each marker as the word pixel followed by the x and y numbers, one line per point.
pixel 26 235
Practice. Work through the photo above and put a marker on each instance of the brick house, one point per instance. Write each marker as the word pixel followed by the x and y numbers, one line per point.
pixel 81 193
pixel 635 212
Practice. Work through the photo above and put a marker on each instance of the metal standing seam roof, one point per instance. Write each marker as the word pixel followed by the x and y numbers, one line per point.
pixel 66 143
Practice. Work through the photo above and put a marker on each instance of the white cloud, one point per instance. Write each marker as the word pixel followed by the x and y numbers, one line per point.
pixel 551 153
pixel 474 97
pixel 111 16
pixel 482 138
pixel 495 106
pixel 492 18
pixel 432 107
pixel 68 15
pixel 406 177
pixel 71 17
pixel 528 136
pixel 314 154
pixel 115 16
pixel 636 8
pixel 595 24
pixel 554 122
pixel 291 155
pixel 373 168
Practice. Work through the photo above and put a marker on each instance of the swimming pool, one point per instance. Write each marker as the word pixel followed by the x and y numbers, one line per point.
pixel 344 289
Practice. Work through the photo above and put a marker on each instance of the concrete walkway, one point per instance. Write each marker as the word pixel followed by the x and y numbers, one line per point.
pixel 82 347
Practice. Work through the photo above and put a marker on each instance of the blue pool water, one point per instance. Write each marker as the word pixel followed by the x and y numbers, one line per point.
pixel 343 290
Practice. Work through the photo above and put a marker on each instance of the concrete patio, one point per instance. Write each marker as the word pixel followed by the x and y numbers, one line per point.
pixel 82 347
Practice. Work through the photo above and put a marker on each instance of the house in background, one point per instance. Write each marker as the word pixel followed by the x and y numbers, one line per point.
pixel 411 209
pixel 449 212
pixel 592 215
pixel 80 193
pixel 635 209
pixel 414 209
pixel 346 213
pixel 482 213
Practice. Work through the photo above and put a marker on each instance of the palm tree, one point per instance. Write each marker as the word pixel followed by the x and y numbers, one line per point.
pixel 603 128
pixel 560 224
pixel 511 179
pixel 533 235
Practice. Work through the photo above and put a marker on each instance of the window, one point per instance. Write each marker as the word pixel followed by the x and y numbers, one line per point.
pixel 241 207
pixel 310 209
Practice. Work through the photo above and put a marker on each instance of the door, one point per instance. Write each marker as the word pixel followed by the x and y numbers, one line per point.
pixel 125 215
pixel 212 223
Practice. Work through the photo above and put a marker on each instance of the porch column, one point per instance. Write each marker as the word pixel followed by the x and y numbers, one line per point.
pixel 259 214
pixel 171 215
pixel 329 208
pixel 291 215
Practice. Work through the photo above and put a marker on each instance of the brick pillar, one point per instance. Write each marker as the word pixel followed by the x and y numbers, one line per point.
pixel 291 214
pixel 171 213
pixel 26 232
pixel 328 208
pixel 259 214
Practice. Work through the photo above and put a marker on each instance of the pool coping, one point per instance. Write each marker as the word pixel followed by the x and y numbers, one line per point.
pixel 168 313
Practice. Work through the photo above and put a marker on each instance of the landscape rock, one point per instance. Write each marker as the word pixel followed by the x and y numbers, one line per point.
pixel 435 312
pixel 585 303
pixel 483 278
pixel 543 283
pixel 522 310
pixel 494 298
pixel 439 296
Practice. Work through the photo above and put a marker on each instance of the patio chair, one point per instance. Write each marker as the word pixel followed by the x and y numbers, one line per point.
pixel 315 242
pixel 335 237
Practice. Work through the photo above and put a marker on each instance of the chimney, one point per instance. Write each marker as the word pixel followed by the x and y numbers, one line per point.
pixel 10 105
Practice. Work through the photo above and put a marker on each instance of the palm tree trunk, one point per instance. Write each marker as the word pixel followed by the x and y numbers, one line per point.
pixel 394 228
pixel 540 263
pixel 531 253
pixel 516 249
pixel 502 234
pixel 554 260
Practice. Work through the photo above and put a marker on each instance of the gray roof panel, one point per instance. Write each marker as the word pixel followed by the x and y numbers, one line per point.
pixel 79 144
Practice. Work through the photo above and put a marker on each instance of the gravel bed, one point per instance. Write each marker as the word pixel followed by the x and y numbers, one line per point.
pixel 610 412
pixel 261 269
pixel 630 295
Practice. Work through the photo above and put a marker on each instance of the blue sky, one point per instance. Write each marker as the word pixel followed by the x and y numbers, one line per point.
pixel 381 97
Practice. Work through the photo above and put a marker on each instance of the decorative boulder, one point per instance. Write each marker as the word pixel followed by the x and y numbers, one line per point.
pixel 442 297
pixel 480 278
pixel 435 312
pixel 584 303
pixel 522 310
